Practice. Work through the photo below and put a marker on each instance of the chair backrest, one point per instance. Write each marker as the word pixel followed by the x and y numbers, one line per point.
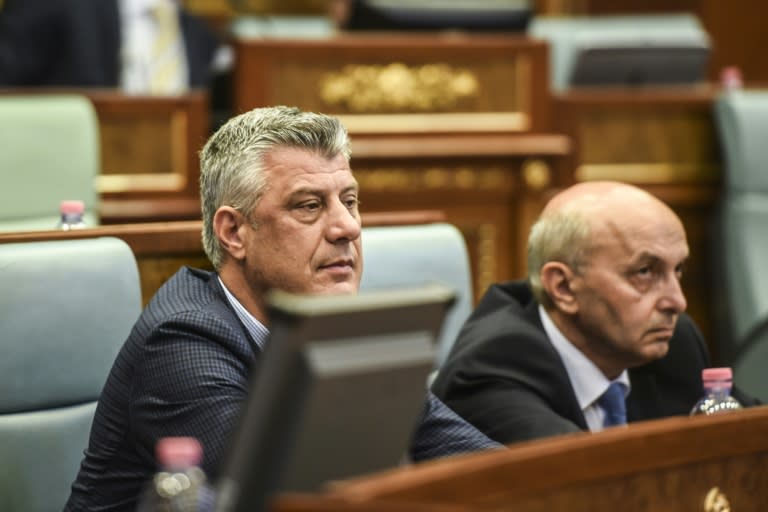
pixel 417 254
pixel 742 241
pixel 65 309
pixel 49 152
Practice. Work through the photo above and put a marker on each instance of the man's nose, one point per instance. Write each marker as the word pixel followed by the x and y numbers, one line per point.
pixel 673 297
pixel 343 223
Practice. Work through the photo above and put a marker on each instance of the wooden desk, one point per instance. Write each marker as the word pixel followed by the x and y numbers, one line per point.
pixel 665 141
pixel 667 465
pixel 380 83
pixel 322 503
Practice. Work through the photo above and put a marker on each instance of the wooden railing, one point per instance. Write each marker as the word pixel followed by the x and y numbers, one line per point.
pixel 683 463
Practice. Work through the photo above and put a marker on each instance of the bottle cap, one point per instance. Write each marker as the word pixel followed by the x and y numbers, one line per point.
pixel 179 452
pixel 72 206
pixel 730 77
pixel 716 374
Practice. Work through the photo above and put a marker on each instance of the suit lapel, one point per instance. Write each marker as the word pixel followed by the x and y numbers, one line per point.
pixel 566 395
pixel 643 400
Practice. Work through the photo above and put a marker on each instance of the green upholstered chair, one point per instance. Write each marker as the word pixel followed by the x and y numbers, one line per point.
pixel 65 309
pixel 417 254
pixel 742 244
pixel 49 152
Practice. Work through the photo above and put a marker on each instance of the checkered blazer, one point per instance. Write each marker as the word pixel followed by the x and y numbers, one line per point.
pixel 184 371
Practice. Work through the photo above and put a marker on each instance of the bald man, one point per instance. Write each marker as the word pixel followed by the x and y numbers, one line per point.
pixel 602 311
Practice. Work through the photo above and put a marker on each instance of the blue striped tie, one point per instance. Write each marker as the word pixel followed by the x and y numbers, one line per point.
pixel 612 402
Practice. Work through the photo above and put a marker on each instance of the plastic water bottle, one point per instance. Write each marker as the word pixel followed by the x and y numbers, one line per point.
pixel 180 484
pixel 72 212
pixel 717 397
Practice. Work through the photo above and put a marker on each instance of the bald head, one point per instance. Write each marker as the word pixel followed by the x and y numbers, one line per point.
pixel 604 197
pixel 586 215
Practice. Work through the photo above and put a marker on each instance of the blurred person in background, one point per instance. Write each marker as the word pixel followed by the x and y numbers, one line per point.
pixel 121 44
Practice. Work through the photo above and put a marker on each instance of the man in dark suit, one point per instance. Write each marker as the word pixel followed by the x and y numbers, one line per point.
pixel 603 310
pixel 80 43
pixel 280 210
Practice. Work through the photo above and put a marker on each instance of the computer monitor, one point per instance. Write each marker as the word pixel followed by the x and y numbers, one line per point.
pixel 598 64
pixel 642 50
pixel 339 391
pixel 427 15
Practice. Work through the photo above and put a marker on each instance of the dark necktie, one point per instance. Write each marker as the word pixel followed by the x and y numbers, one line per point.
pixel 612 402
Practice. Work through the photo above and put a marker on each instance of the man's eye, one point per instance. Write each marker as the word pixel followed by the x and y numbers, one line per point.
pixel 645 272
pixel 312 206
pixel 352 203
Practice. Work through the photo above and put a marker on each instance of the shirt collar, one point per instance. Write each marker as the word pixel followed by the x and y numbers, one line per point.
pixel 132 8
pixel 256 329
pixel 588 382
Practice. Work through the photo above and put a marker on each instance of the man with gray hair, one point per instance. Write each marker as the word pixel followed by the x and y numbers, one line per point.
pixel 280 210
pixel 596 337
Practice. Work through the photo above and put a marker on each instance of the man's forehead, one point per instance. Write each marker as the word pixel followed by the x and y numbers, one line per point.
pixel 330 186
pixel 636 242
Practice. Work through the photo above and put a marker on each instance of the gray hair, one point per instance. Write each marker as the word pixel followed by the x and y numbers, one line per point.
pixel 231 162
pixel 561 236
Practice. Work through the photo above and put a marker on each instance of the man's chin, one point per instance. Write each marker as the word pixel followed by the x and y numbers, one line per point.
pixel 655 350
pixel 342 288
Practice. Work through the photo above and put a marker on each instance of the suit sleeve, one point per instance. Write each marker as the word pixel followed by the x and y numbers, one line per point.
pixel 30 41
pixel 192 382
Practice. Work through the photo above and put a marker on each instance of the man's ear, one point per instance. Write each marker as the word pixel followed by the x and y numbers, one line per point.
pixel 557 279
pixel 228 224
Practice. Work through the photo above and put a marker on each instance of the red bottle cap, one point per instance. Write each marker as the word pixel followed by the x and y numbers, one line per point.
pixel 72 206
pixel 179 452
pixel 730 78
pixel 716 374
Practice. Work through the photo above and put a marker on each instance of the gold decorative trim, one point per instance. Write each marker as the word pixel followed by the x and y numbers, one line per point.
pixel 140 182
pixel 536 174
pixel 486 258
pixel 716 501
pixel 398 87
pixel 523 82
pixel 648 173
pixel 436 122
pixel 179 149
pixel 433 178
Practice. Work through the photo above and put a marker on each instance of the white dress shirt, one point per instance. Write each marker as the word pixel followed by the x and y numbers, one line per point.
pixel 588 382
pixel 139 29
pixel 256 329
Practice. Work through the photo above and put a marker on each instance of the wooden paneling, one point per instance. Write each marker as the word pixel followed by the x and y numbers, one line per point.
pixel 665 141
pixel 404 82
pixel 149 155
pixel 489 186
pixel 668 465
pixel 323 503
